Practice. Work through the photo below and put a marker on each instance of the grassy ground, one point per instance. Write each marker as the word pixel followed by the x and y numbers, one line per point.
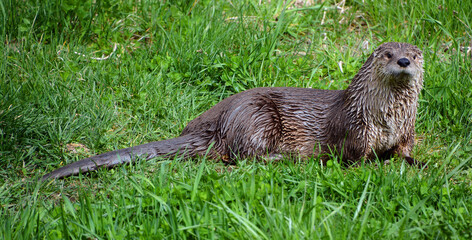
pixel 79 79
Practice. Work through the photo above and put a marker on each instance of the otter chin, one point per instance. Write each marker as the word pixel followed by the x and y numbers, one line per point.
pixel 374 117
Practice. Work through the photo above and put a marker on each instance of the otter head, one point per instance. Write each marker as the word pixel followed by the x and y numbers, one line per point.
pixel 398 64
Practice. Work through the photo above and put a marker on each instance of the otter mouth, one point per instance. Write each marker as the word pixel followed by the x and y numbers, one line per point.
pixel 395 76
pixel 401 72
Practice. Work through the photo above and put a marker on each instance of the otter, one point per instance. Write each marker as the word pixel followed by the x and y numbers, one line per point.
pixel 374 117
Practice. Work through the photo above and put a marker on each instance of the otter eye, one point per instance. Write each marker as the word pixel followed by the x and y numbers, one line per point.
pixel 388 55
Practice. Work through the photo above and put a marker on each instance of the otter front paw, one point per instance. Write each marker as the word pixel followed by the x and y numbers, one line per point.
pixel 413 162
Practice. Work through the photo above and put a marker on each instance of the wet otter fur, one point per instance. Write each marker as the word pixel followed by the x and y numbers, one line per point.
pixel 374 116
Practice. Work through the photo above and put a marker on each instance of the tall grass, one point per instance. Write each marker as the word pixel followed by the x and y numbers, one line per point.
pixel 79 79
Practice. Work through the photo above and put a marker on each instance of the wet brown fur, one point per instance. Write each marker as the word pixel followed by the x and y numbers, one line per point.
pixel 374 116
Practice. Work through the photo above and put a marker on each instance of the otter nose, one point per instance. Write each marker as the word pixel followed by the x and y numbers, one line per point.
pixel 403 62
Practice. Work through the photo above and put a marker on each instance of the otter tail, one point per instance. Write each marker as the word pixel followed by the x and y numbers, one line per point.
pixel 184 145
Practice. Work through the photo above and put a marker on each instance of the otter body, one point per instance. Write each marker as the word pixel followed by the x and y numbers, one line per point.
pixel 374 116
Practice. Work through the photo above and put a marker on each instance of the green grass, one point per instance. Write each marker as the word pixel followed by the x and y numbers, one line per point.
pixel 103 75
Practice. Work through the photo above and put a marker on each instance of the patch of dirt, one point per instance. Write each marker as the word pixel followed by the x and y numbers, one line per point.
pixel 77 148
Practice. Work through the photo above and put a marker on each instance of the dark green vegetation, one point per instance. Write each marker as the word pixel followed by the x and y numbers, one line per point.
pixel 79 79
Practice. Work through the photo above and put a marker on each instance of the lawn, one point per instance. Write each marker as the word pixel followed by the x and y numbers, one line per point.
pixel 79 78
